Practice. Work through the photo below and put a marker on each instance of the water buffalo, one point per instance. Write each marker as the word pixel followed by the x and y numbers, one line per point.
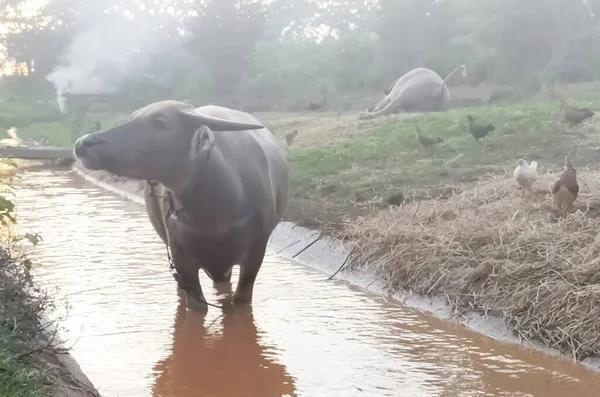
pixel 420 90
pixel 225 175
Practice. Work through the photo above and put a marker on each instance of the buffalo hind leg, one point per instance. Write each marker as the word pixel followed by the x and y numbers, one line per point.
pixel 188 280
pixel 248 271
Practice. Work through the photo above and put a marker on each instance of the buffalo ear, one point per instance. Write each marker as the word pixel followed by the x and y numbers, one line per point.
pixel 203 140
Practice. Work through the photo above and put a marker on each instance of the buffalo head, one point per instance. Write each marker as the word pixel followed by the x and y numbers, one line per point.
pixel 159 142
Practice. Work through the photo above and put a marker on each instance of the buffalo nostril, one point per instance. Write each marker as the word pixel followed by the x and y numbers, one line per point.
pixel 86 142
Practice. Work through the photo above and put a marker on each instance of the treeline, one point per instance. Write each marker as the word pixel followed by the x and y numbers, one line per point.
pixel 292 54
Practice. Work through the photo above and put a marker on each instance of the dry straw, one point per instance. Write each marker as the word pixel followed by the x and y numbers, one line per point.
pixel 488 249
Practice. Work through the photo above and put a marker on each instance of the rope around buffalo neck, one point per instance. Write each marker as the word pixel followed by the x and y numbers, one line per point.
pixel 170 211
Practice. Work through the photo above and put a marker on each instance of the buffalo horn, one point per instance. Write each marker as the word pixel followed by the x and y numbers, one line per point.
pixel 218 124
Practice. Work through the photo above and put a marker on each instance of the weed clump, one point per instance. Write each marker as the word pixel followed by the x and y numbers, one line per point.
pixel 21 306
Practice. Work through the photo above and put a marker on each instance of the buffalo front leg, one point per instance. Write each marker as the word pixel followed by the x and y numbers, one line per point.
pixel 248 271
pixel 188 281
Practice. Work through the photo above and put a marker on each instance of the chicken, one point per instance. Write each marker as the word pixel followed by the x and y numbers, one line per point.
pixel 14 140
pixel 425 140
pixel 289 137
pixel 526 174
pixel 570 114
pixel 565 189
pixel 479 130
pixel 573 115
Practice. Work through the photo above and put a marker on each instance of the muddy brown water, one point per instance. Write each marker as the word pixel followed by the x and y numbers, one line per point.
pixel 303 336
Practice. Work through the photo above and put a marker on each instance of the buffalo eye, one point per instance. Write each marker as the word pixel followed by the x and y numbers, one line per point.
pixel 159 123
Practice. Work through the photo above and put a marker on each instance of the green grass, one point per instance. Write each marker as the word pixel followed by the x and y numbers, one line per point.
pixel 18 377
pixel 23 372
pixel 42 120
pixel 64 132
pixel 19 113
pixel 389 157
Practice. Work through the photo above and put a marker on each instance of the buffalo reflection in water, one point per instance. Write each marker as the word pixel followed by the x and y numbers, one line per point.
pixel 222 361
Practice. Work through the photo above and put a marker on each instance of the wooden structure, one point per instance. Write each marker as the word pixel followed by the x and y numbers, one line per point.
pixel 37 153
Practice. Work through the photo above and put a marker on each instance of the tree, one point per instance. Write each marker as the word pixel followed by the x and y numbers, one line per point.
pixel 223 36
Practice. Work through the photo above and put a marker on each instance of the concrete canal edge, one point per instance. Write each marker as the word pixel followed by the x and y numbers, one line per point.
pixel 327 254
pixel 73 382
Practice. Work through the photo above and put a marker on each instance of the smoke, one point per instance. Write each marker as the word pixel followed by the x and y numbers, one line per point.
pixel 589 8
pixel 102 56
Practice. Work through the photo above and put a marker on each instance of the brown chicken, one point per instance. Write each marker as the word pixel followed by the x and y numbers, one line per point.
pixel 289 137
pixel 565 189
pixel 425 140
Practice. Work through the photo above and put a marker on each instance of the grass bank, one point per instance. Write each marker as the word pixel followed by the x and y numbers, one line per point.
pixel 32 361
pixel 489 250
pixel 451 222
pixel 23 371
pixel 386 165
